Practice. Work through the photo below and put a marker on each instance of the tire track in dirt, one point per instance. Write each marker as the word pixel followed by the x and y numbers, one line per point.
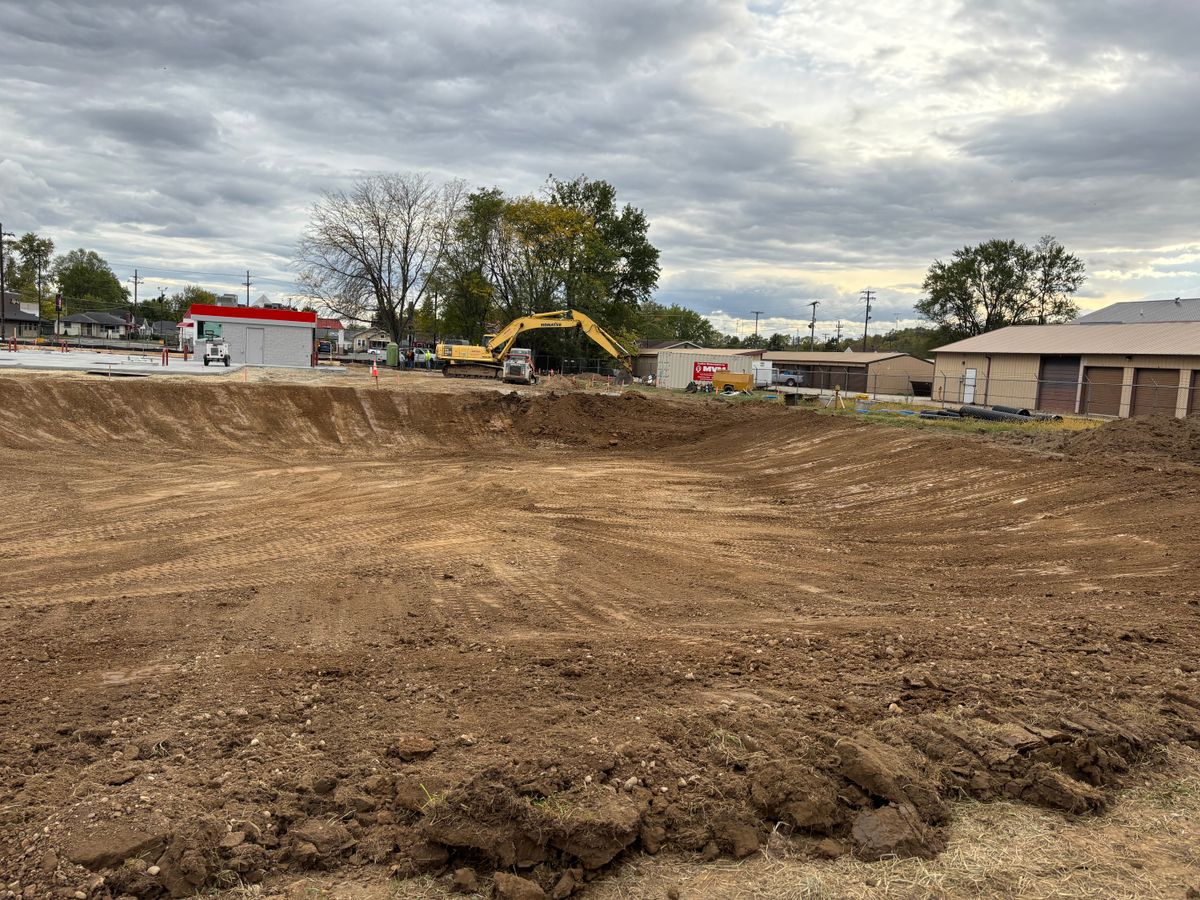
pixel 669 641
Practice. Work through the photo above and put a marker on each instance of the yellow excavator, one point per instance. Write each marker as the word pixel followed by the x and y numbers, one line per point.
pixel 499 359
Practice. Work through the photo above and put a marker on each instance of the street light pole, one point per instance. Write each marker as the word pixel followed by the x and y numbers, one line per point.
pixel 812 326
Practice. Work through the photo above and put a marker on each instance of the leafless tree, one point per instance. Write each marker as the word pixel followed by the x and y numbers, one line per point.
pixel 367 253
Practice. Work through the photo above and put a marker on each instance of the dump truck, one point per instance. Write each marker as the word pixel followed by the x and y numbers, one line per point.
pixel 518 367
pixel 489 360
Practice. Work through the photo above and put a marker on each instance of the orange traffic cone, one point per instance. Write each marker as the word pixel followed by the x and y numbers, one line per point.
pixel 375 371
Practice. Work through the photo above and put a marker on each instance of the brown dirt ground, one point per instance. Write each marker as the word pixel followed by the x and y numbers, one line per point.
pixel 256 632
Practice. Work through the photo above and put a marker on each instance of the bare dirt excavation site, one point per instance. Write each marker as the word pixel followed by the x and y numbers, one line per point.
pixel 363 640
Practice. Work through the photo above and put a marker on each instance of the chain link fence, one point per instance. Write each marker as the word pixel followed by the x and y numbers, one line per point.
pixel 1097 391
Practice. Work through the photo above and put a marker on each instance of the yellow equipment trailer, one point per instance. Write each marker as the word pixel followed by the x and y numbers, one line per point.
pixel 489 360
pixel 732 382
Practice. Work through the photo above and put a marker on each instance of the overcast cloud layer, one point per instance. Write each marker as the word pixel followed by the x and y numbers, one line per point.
pixel 783 151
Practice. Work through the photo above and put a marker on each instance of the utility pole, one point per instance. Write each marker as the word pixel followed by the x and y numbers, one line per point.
pixel 868 296
pixel 247 287
pixel 839 338
pixel 757 313
pixel 3 292
pixel 812 326
pixel 136 281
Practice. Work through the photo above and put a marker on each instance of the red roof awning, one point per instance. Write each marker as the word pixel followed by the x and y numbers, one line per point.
pixel 251 314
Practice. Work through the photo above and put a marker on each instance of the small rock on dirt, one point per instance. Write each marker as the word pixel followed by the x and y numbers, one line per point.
pixel 411 747
pixel 568 883
pixel 828 848
pixel 232 839
pixel 742 839
pixel 514 887
pixel 112 846
pixel 324 784
pixel 464 881
pixel 327 837
pixel 894 830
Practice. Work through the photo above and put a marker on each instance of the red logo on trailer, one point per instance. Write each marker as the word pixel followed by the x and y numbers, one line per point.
pixel 703 371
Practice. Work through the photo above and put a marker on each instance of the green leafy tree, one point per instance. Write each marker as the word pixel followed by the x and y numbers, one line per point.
pixel 779 341
pixel 657 322
pixel 533 256
pixel 174 307
pixel 85 278
pixel 1000 283
pixel 617 270
pixel 32 272
pixel 1056 275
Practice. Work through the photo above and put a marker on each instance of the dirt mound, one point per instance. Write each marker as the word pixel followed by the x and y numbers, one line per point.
pixel 881 792
pixel 253 632
pixel 1154 437
pixel 36 413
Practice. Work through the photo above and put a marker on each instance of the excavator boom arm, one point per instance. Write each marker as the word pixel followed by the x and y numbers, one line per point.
pixel 499 345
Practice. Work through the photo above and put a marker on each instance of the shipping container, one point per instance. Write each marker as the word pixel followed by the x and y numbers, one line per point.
pixel 676 368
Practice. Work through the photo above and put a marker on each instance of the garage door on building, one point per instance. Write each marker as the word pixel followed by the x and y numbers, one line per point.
pixel 1154 392
pixel 1102 391
pixel 1058 383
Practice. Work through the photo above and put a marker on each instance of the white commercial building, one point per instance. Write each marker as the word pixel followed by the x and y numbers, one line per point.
pixel 678 367
pixel 255 336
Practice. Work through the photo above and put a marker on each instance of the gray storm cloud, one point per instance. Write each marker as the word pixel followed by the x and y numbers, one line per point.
pixel 783 152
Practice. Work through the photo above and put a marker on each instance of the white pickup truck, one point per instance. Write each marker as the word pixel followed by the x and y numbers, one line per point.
pixel 787 377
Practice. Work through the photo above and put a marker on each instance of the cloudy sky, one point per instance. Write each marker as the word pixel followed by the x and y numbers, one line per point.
pixel 784 151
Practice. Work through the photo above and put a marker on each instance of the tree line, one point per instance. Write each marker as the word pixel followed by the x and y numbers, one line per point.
pixel 406 254
pixel 85 281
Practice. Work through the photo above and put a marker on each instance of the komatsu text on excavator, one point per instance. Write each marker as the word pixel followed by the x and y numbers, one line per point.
pixel 499 359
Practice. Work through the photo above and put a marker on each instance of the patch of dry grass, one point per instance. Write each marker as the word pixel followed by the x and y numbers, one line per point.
pixel 1148 846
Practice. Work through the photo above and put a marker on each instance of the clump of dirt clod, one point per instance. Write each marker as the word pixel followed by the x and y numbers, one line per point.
pixel 875 792
pixel 1150 438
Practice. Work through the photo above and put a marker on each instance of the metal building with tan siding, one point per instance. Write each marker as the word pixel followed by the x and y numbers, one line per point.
pixel 1108 369
pixel 883 372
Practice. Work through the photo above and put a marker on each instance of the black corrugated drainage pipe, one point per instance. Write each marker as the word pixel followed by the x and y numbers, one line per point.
pixel 991 415
pixel 1015 410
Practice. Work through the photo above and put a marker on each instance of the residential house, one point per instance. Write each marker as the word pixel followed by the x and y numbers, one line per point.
pixel 163 330
pixel 360 340
pixel 334 331
pixel 96 325
pixel 18 322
